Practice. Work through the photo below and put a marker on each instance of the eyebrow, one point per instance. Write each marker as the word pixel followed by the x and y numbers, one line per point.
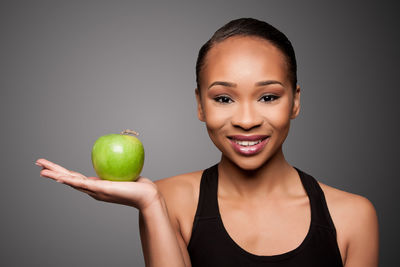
pixel 229 84
pixel 263 83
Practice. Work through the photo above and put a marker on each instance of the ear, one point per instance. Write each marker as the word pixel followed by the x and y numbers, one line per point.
pixel 296 103
pixel 200 113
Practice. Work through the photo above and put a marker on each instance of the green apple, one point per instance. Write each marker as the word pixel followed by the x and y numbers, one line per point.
pixel 118 157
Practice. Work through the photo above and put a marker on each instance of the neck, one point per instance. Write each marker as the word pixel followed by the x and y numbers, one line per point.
pixel 275 178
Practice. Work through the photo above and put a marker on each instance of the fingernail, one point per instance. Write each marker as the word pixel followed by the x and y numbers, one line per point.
pixel 38 164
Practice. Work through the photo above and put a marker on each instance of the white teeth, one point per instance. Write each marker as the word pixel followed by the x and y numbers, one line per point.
pixel 247 143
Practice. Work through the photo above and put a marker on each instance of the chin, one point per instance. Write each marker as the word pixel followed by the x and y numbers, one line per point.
pixel 248 164
pixel 251 165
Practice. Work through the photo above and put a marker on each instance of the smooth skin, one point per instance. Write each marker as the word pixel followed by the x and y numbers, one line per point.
pixel 245 90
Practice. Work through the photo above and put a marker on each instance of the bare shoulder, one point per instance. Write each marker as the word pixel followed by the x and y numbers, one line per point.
pixel 356 222
pixel 181 195
pixel 180 187
pixel 350 205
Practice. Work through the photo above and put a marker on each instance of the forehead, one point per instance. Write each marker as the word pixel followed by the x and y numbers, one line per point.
pixel 244 57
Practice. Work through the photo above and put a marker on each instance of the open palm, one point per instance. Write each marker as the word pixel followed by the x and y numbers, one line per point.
pixel 139 194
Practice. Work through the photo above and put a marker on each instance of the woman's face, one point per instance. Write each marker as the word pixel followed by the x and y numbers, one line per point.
pixel 246 100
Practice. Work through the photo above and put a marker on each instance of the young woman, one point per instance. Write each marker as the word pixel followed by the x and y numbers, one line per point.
pixel 252 208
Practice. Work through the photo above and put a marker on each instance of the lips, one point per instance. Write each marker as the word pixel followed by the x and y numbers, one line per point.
pixel 248 144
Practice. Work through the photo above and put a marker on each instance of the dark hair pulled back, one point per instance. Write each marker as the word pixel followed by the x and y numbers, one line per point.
pixel 250 27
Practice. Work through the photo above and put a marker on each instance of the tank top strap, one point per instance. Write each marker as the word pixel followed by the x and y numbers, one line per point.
pixel 319 209
pixel 208 202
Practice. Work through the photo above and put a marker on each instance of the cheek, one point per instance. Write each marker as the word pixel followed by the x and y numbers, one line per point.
pixel 281 125
pixel 279 116
pixel 215 117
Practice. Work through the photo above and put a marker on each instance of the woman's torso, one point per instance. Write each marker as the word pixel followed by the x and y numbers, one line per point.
pixel 241 234
pixel 215 241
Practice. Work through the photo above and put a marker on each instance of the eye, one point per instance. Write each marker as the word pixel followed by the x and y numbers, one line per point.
pixel 268 98
pixel 223 99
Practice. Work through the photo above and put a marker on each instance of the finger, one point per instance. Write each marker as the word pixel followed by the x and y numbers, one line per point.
pixel 86 191
pixel 144 180
pixel 52 166
pixel 74 182
pixel 96 186
pixel 77 174
pixel 51 174
pixel 94 178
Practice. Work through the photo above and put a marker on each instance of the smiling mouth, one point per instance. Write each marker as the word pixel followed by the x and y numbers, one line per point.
pixel 248 140
pixel 248 145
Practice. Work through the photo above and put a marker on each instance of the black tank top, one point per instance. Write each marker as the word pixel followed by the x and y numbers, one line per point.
pixel 211 246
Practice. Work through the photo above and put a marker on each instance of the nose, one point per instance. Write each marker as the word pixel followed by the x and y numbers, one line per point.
pixel 246 117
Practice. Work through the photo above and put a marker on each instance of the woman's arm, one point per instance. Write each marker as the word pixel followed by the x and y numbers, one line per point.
pixel 160 243
pixel 363 246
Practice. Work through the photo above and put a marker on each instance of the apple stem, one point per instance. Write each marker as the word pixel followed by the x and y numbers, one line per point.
pixel 127 131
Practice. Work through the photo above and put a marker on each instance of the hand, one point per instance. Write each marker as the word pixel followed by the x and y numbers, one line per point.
pixel 139 194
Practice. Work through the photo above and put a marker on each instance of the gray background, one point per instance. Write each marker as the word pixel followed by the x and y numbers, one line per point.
pixel 72 71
